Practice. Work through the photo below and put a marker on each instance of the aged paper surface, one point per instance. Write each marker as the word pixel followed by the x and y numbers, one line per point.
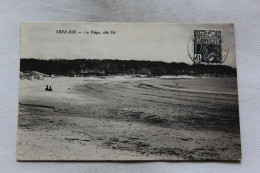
pixel 128 91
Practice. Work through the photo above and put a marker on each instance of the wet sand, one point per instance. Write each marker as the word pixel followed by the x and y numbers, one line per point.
pixel 124 118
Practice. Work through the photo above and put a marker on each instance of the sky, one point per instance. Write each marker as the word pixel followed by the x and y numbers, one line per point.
pixel 124 41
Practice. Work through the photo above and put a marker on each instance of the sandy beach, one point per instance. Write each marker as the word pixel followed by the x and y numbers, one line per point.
pixel 112 117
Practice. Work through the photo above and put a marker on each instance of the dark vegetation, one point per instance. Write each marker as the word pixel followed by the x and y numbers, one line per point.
pixel 67 67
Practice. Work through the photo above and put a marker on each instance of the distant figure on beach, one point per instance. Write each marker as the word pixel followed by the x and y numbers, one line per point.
pixel 48 89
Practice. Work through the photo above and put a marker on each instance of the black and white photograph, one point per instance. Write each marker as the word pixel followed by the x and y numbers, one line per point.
pixel 128 92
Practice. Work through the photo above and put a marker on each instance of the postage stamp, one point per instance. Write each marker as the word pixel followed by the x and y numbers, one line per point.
pixel 208 46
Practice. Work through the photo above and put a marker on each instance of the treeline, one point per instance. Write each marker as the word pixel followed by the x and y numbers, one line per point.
pixel 64 67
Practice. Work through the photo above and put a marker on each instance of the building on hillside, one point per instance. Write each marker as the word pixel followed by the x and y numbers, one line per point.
pixel 130 71
pixel 38 75
pixel 144 71
pixel 92 71
pixel 22 75
pixel 31 75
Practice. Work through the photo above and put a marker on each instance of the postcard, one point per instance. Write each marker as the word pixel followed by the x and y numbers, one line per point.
pixel 128 92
